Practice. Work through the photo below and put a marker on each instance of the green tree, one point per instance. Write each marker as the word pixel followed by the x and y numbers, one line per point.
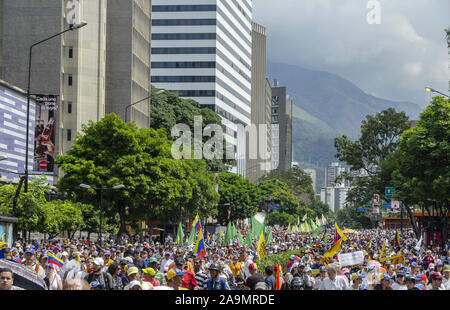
pixel 298 182
pixel 168 109
pixel 380 137
pixel 277 218
pixel 240 193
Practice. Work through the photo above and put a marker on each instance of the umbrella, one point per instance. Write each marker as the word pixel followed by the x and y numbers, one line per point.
pixel 24 277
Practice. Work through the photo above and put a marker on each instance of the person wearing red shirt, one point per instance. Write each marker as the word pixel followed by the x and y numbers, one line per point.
pixel 189 281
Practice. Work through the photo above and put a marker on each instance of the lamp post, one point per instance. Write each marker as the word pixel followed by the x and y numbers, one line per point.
pixel 431 90
pixel 101 189
pixel 147 98
pixel 72 27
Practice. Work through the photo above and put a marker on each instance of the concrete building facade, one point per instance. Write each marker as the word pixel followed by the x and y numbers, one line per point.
pixel 260 109
pixel 331 173
pixel 281 132
pixel 74 65
pixel 334 196
pixel 202 49
pixel 128 59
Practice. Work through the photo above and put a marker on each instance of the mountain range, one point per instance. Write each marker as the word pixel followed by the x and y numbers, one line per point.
pixel 326 106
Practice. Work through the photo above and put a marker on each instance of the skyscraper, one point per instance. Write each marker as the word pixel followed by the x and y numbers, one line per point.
pixel 281 132
pixel 203 50
pixel 261 108
pixel 331 173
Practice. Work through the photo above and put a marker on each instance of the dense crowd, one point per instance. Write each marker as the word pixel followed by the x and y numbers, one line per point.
pixel 149 264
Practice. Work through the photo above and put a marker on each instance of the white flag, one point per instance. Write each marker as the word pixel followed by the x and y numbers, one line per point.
pixel 418 245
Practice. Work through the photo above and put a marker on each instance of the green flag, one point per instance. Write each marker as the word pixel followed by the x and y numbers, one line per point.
pixel 192 235
pixel 228 234
pixel 180 235
pixel 316 232
pixel 248 239
pixel 313 225
pixel 269 237
pixel 304 218
pixel 241 241
pixel 233 231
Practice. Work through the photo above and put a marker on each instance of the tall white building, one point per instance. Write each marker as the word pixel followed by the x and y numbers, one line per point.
pixel 331 173
pixel 202 49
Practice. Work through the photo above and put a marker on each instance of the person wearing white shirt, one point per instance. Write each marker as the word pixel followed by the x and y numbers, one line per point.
pixel 446 280
pixel 323 275
pixel 165 263
pixel 334 282
pixel 400 282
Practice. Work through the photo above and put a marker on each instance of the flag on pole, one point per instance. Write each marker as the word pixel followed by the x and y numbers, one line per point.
pixel 197 223
pixel 261 246
pixel 278 277
pixel 324 221
pixel 304 218
pixel 334 250
pixel 228 234
pixel 318 223
pixel 248 238
pixel 397 240
pixel 180 235
pixel 339 234
pixel 200 249
pixel 240 240
pixel 52 259
pixel 3 246
pixel 192 235
pixel 269 237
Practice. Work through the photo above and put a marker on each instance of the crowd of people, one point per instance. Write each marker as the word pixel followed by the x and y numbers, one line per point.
pixel 149 264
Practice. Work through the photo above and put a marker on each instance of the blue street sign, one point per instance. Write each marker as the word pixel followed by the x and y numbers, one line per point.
pixel 387 205
pixel 273 208
pixel 361 210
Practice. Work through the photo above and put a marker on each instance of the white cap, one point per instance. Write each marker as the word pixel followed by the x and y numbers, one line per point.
pixel 99 261
pixel 134 283
pixel 64 253
pixel 129 259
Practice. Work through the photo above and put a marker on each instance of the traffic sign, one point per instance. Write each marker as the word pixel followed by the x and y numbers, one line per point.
pixel 43 165
pixel 387 205
pixel 389 191
pixel 361 210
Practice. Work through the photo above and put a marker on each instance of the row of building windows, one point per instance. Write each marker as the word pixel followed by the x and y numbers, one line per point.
pixel 247 27
pixel 195 93
pixel 184 36
pixel 184 50
pixel 184 65
pixel 184 22
pixel 183 79
pixel 184 8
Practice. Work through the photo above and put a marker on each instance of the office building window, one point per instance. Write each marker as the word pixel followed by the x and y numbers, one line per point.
pixel 70 82
pixel 69 108
pixel 69 134
pixel 183 8
pixel 183 22
pixel 70 52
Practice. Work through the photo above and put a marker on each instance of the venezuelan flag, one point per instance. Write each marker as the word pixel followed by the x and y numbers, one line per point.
pixel 339 234
pixel 397 239
pixel 197 223
pixel 200 246
pixel 52 259
pixel 315 269
pixel 3 246
pixel 279 272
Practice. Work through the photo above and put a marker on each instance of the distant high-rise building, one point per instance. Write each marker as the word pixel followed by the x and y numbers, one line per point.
pixel 334 196
pixel 261 108
pixel 281 132
pixel 203 50
pixel 331 173
pixel 313 176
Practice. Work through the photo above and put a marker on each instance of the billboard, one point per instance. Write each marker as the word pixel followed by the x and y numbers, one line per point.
pixel 44 133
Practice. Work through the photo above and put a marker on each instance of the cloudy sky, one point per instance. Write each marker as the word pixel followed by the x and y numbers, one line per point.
pixel 394 60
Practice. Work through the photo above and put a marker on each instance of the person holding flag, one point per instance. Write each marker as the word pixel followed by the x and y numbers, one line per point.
pixel 339 234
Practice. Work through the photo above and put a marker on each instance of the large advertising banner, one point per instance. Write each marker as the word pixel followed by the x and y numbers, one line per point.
pixel 44 133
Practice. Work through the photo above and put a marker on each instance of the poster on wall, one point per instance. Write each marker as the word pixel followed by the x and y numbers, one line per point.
pixel 44 133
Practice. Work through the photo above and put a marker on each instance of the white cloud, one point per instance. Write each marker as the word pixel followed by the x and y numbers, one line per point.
pixel 394 60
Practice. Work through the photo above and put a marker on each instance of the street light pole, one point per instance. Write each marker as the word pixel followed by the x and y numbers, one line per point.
pixel 431 90
pixel 72 27
pixel 100 191
pixel 147 98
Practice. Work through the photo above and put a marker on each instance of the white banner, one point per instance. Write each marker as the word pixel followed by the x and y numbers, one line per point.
pixel 353 258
